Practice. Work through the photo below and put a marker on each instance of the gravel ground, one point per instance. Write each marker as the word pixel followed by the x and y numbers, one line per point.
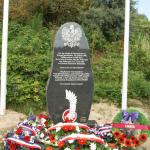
pixel 9 121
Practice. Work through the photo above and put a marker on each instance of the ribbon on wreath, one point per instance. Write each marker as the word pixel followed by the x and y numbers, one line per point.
pixel 133 116
pixel 101 130
pixel 130 126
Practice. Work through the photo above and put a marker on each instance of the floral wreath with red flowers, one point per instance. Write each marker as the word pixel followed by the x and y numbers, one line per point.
pixel 37 132
pixel 27 133
pixel 130 130
pixel 67 136
pixel 125 140
pixel 60 130
pixel 81 142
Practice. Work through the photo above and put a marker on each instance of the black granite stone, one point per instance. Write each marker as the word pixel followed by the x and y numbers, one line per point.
pixel 71 71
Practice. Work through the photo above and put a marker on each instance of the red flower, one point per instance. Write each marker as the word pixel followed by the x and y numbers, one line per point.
pixel 51 137
pixel 143 137
pixel 49 148
pixel 61 144
pixel 40 116
pixel 124 135
pixel 26 138
pixel 53 141
pixel 65 128
pixel 112 145
pixel 13 146
pixel 121 140
pixel 9 142
pixel 133 138
pixel 71 128
pixel 82 141
pixel 136 142
pixel 128 143
pixel 19 131
pixel 46 123
pixel 116 134
pixel 39 127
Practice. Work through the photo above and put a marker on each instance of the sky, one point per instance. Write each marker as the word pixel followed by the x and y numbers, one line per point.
pixel 143 7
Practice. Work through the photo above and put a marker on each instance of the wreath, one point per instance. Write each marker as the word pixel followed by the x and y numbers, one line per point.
pixel 67 136
pixel 60 130
pixel 36 133
pixel 81 142
pixel 28 133
pixel 39 133
pixel 130 129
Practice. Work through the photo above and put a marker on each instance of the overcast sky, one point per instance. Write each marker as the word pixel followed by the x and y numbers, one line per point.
pixel 143 7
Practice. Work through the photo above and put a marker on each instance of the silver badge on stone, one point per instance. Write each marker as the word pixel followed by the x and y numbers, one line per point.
pixel 71 36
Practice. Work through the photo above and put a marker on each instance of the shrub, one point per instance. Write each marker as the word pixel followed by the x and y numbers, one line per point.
pixel 138 86
pixel 108 75
pixel 29 59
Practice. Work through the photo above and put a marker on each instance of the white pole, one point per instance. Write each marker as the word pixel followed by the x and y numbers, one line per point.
pixel 4 58
pixel 126 55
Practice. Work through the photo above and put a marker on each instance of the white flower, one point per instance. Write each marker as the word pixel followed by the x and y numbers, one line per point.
pixel 77 129
pixel 26 133
pixel 46 129
pixel 32 139
pixel 34 124
pixel 25 121
pixel 42 135
pixel 67 148
pixel 106 145
pixel 70 141
pixel 58 129
pixel 5 143
pixel 109 134
pixel 92 146
pixel 43 120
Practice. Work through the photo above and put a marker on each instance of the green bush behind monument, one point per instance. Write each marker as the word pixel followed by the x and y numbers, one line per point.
pixel 31 37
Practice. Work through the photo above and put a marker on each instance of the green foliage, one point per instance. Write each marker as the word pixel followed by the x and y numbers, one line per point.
pixel 108 75
pixel 0 37
pixel 23 11
pixel 138 86
pixel 59 12
pixel 36 22
pixel 139 60
pixel 1 9
pixel 32 28
pixel 29 58
pixel 96 39
pixel 110 21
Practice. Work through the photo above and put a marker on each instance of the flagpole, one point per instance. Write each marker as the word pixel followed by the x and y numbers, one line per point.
pixel 4 58
pixel 126 55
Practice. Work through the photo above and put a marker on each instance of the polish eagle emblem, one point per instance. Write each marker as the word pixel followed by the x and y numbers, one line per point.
pixel 70 114
pixel 71 36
